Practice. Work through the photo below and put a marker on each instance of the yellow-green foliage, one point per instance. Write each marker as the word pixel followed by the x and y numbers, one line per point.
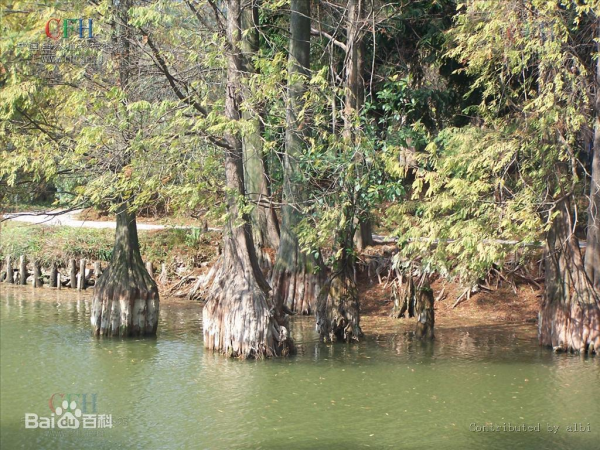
pixel 497 179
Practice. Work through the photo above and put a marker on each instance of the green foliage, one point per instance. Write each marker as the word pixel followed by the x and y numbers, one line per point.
pixel 496 180
pixel 474 122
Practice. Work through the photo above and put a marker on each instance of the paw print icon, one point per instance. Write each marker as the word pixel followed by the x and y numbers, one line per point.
pixel 69 415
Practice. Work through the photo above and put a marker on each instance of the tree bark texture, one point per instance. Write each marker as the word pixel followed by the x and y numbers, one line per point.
pixel 22 270
pixel 126 301
pixel 38 281
pixel 9 270
pixel 338 309
pixel 73 273
pixel 297 277
pixel 569 319
pixel 53 275
pixel 265 226
pixel 425 312
pixel 404 293
pixel 354 101
pixel 592 253
pixel 237 318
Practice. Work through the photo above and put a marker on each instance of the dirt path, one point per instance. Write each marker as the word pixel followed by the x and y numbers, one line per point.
pixel 71 219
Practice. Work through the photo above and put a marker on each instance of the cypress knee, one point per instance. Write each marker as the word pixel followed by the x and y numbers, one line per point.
pixel 9 270
pixel 22 270
pixel 73 273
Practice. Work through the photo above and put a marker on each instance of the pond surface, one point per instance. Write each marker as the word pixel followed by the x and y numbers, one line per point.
pixel 386 392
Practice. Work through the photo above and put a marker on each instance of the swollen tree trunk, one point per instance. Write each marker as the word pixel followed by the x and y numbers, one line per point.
pixel 297 277
pixel 237 319
pixel 265 227
pixel 569 319
pixel 126 301
pixel 338 306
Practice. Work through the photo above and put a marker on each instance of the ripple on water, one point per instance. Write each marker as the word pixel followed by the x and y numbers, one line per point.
pixel 388 391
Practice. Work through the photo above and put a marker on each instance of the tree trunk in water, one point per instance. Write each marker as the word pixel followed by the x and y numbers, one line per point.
pixel 592 253
pixel 425 311
pixel 237 319
pixel 81 282
pixel 73 274
pixel 265 227
pixel 38 281
pixel 126 301
pixel 297 277
pixel 338 308
pixel 569 319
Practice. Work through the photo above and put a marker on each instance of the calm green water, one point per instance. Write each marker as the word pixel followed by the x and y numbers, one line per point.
pixel 386 392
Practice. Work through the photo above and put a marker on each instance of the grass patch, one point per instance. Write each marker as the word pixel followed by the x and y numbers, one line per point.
pixel 52 244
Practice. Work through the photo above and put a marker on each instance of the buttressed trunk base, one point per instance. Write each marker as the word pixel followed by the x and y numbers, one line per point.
pixel 569 319
pixel 237 320
pixel 126 301
pixel 570 327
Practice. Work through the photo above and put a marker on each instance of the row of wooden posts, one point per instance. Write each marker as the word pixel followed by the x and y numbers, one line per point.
pixel 76 279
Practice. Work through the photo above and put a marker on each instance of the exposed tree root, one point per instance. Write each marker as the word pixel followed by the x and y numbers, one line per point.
pixel 466 295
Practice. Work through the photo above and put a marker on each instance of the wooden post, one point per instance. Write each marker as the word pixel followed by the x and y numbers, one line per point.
pixel 73 270
pixel 37 275
pixel 150 269
pixel 53 275
pixel 22 270
pixel 97 270
pixel 58 280
pixel 81 284
pixel 10 276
